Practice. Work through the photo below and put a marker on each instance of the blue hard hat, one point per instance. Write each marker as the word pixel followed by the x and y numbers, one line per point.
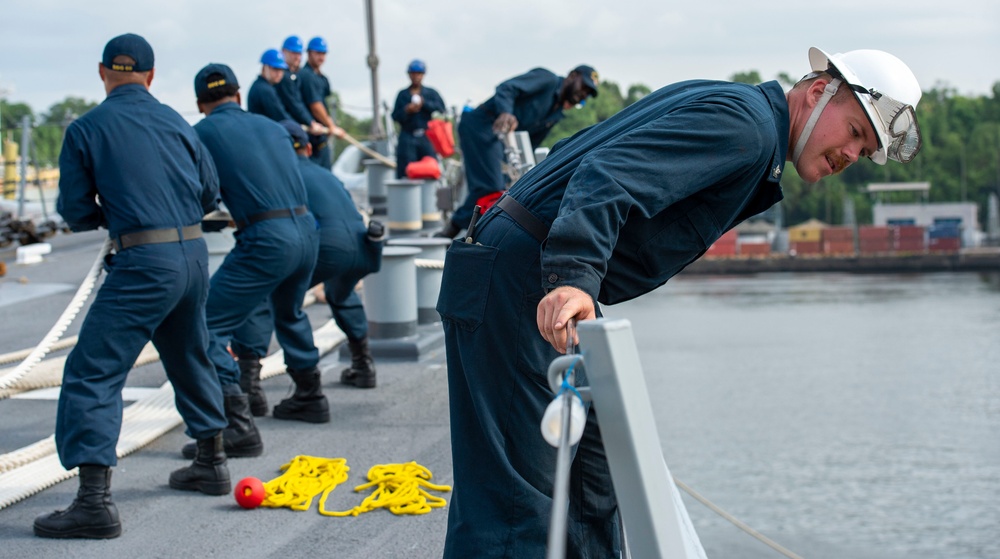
pixel 273 58
pixel 417 66
pixel 317 44
pixel 293 44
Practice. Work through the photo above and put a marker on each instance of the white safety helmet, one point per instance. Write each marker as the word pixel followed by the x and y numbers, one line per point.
pixel 887 90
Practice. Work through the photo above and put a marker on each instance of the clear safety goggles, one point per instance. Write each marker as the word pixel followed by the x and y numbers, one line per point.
pixel 896 119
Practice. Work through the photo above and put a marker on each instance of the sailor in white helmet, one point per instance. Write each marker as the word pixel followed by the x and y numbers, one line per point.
pixel 612 213
pixel 887 92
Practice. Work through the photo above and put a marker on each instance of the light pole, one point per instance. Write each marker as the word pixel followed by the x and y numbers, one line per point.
pixel 376 130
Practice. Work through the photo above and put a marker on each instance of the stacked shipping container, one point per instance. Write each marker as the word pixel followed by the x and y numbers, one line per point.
pixel 725 246
pixel 874 239
pixel 838 240
pixel 907 238
pixel 944 238
pixel 805 240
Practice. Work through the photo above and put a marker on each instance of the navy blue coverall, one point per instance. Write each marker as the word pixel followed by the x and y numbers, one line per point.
pixel 413 144
pixel 273 256
pixel 290 92
pixel 262 99
pixel 315 88
pixel 151 172
pixel 533 98
pixel 346 255
pixel 630 202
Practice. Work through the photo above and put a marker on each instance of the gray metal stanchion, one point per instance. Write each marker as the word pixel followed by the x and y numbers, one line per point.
pixel 390 298
pixel 377 173
pixel 430 214
pixel 404 207
pixel 429 273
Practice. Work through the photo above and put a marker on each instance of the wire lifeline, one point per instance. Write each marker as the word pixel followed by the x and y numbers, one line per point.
pixel 735 521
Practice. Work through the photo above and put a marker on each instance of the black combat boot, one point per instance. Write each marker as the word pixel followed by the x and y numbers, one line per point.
pixel 240 439
pixel 308 402
pixel 92 514
pixel 250 383
pixel 361 373
pixel 208 473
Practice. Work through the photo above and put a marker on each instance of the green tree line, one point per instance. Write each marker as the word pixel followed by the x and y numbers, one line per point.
pixel 960 155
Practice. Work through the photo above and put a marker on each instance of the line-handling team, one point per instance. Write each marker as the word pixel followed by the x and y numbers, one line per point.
pixel 611 213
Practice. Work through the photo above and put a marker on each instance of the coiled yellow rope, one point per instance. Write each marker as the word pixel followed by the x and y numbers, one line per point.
pixel 304 477
pixel 401 488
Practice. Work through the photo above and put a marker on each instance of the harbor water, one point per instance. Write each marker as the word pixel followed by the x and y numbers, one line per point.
pixel 848 416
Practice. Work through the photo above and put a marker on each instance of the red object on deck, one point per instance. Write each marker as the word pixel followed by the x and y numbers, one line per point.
pixel 442 139
pixel 426 168
pixel 249 492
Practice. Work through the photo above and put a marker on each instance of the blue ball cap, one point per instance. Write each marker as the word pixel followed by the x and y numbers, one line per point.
pixel 589 75
pixel 212 76
pixel 273 58
pixel 292 43
pixel 317 44
pixel 299 137
pixel 417 66
pixel 132 46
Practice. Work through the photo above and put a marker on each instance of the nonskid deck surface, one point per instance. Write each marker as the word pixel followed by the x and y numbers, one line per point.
pixel 405 418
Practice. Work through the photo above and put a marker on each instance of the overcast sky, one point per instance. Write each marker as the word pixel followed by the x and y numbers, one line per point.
pixel 51 48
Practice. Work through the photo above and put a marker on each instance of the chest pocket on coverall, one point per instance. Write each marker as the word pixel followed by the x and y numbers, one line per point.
pixel 680 242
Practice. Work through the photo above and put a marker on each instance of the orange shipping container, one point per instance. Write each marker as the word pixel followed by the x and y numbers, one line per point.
pixel 876 245
pixel 872 232
pixel 805 247
pixel 908 232
pixel 721 249
pixel 755 249
pixel 909 245
pixel 838 234
pixel 948 244
pixel 838 247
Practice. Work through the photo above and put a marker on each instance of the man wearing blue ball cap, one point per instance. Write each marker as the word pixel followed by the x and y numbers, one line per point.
pixel 262 98
pixel 134 167
pixel 315 87
pixel 273 258
pixel 348 251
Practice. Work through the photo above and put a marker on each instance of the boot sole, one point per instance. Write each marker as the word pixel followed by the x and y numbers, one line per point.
pixel 242 452
pixel 206 487
pixel 89 532
pixel 359 383
pixel 306 417
pixel 259 411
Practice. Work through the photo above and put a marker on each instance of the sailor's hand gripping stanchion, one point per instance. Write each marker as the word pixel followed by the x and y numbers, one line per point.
pixel 562 427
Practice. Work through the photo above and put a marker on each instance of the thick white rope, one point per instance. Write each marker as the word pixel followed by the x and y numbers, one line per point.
pixel 61 325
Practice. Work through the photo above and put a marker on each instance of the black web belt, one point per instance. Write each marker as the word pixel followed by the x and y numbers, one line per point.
pixel 154 236
pixel 270 214
pixel 524 218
